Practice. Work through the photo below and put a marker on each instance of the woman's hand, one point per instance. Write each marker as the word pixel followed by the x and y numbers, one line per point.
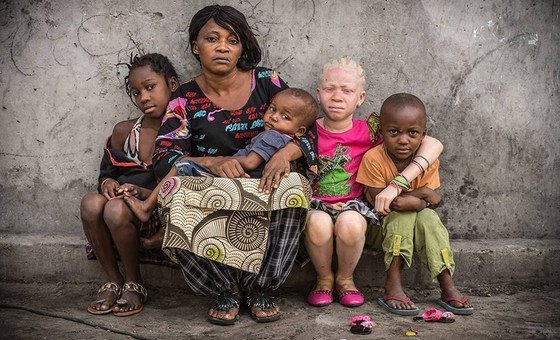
pixel 226 167
pixel 384 198
pixel 275 168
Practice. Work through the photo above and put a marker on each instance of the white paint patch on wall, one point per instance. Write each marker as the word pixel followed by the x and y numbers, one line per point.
pixel 534 39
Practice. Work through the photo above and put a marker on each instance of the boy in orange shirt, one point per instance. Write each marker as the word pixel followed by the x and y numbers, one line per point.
pixel 412 225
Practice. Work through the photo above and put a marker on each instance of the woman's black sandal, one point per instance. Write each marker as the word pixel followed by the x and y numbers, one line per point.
pixel 263 302
pixel 224 303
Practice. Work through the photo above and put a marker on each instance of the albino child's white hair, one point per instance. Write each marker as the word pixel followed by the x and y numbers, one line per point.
pixel 348 63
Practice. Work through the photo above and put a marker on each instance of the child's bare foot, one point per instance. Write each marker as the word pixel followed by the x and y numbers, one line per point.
pixel 393 287
pixel 132 300
pixel 106 298
pixel 138 207
pixel 449 292
pixel 154 241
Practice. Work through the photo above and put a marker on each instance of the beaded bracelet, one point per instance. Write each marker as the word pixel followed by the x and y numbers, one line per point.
pixel 401 181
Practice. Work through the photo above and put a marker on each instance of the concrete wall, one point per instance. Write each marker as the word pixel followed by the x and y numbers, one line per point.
pixel 487 70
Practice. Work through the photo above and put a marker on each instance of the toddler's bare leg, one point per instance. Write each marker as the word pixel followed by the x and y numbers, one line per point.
pixel 154 241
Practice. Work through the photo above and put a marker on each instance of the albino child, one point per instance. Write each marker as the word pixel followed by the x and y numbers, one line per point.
pixel 109 225
pixel 339 218
pixel 413 225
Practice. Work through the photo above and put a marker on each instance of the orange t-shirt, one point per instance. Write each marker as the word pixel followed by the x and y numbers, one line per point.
pixel 377 170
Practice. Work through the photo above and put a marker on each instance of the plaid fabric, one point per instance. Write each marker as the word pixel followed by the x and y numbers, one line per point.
pixel 149 256
pixel 369 213
pixel 356 205
pixel 209 278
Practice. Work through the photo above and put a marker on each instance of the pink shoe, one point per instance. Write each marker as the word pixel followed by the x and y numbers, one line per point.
pixel 350 298
pixel 320 298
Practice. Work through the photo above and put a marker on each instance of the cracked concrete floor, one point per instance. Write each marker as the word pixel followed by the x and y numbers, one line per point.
pixel 58 311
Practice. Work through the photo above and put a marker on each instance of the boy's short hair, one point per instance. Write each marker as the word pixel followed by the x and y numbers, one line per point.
pixel 401 100
pixel 346 62
pixel 309 115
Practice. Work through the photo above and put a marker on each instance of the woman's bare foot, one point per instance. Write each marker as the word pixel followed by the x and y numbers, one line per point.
pixel 229 315
pixel 226 309
pixel 132 299
pixel 267 313
pixel 263 308
pixel 154 241
pixel 138 207
pixel 448 290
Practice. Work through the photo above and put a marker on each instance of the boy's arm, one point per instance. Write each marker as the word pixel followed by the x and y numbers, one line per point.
pixel 432 197
pixel 415 200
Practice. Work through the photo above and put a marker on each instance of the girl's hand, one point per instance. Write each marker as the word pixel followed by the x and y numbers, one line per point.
pixel 276 167
pixel 384 198
pixel 108 188
pixel 338 205
pixel 130 189
pixel 226 167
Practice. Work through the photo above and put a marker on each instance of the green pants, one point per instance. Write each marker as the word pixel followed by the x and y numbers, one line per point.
pixel 403 233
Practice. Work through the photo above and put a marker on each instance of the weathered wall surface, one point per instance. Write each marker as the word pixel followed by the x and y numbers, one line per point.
pixel 488 71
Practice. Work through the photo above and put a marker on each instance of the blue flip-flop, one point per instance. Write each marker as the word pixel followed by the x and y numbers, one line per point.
pixel 404 312
pixel 445 303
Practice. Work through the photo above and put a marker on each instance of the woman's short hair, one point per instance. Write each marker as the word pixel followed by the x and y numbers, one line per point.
pixel 232 20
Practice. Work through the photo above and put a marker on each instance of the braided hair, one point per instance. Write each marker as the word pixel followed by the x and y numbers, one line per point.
pixel 157 62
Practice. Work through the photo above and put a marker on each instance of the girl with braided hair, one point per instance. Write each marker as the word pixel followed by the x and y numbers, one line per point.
pixel 111 228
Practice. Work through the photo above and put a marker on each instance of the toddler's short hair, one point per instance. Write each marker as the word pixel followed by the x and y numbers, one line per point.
pixel 309 115
pixel 349 63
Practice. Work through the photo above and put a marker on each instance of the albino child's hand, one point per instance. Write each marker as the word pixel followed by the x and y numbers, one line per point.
pixel 338 205
pixel 108 188
pixel 384 198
